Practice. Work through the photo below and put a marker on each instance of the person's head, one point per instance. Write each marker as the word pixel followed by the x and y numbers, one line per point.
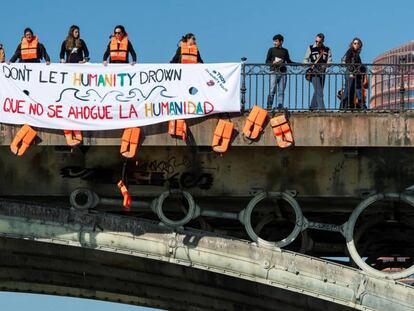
pixel 74 32
pixel 278 40
pixel 189 39
pixel 73 38
pixel 119 31
pixel 319 39
pixel 356 44
pixel 28 34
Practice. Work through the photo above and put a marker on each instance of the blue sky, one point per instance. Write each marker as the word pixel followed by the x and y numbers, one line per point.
pixel 225 31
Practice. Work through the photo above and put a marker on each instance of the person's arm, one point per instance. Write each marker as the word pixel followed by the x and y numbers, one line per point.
pixel 306 59
pixel 199 60
pixel 106 54
pixel 288 60
pixel 85 51
pixel 176 58
pixel 329 57
pixel 17 54
pixel 43 53
pixel 346 58
pixel 132 51
pixel 269 59
pixel 62 51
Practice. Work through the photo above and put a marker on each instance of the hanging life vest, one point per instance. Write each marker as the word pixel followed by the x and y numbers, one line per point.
pixel 28 50
pixel 73 137
pixel 254 123
pixel 222 136
pixel 22 140
pixel 188 53
pixel 130 141
pixel 178 128
pixel 119 50
pixel 282 131
pixel 125 193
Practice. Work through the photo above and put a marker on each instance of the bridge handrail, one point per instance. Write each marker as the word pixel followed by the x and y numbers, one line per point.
pixel 387 86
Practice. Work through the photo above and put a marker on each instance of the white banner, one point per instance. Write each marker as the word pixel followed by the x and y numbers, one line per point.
pixel 97 97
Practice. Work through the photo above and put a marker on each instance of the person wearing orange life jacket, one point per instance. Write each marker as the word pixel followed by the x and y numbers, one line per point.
pixel 119 47
pixel 30 50
pixel 187 52
pixel 2 54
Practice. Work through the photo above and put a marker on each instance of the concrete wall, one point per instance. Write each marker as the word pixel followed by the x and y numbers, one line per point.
pixel 360 129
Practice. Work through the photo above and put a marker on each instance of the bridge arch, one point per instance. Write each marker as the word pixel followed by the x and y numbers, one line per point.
pixel 109 257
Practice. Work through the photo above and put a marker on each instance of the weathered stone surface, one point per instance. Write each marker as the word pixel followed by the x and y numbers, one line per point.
pixel 128 260
pixel 347 129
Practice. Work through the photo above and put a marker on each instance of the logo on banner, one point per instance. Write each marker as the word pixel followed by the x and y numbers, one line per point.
pixel 217 79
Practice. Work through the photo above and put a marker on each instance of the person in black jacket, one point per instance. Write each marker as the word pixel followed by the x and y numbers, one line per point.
pixel 30 50
pixel 74 49
pixel 276 57
pixel 352 95
pixel 318 54
pixel 119 48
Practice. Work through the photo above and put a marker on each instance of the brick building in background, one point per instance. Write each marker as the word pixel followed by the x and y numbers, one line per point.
pixel 393 86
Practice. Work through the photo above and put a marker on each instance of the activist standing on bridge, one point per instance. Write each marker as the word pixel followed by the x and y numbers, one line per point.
pixel 74 47
pixel 2 54
pixel 119 47
pixel 356 80
pixel 30 50
pixel 187 52
pixel 317 55
pixel 276 57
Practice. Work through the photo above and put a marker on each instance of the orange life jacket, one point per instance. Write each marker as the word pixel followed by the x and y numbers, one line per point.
pixel 130 140
pixel 73 138
pixel 2 55
pixel 282 131
pixel 222 136
pixel 119 53
pixel 28 50
pixel 178 128
pixel 22 140
pixel 125 194
pixel 188 53
pixel 254 122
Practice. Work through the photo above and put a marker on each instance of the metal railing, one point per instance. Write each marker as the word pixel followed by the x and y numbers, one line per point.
pixel 339 87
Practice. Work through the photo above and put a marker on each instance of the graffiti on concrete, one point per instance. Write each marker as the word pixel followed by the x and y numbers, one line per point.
pixel 98 175
pixel 172 172
pixel 168 166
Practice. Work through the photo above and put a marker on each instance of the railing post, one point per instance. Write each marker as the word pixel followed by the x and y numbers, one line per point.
pixel 243 84
pixel 402 61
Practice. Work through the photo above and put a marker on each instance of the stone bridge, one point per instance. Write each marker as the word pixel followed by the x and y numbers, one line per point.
pixel 339 160
pixel 45 249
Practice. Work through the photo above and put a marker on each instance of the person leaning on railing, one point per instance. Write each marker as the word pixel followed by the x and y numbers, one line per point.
pixel 2 54
pixel 356 79
pixel 30 50
pixel 119 47
pixel 187 52
pixel 317 53
pixel 74 49
pixel 276 57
